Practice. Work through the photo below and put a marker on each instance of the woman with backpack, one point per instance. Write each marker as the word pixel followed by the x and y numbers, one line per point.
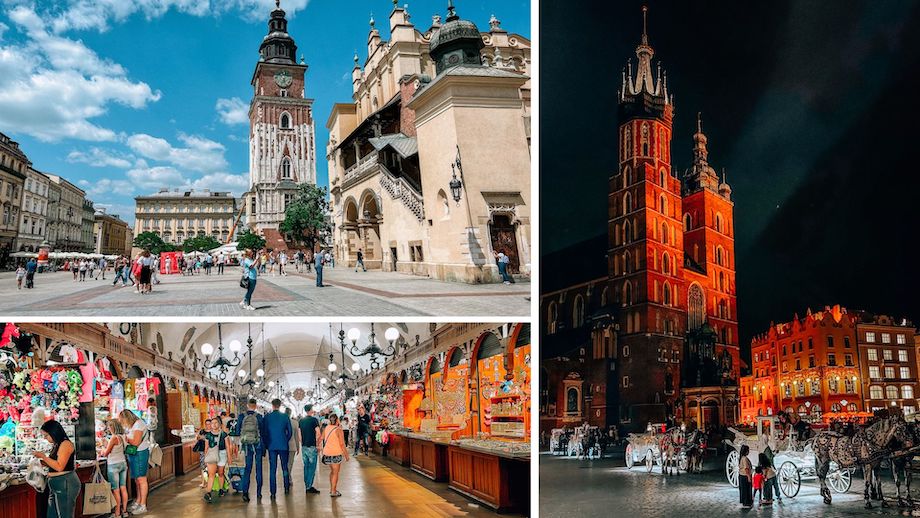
pixel 334 452
pixel 117 467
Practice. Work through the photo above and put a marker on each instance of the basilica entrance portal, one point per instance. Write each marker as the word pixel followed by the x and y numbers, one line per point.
pixel 504 239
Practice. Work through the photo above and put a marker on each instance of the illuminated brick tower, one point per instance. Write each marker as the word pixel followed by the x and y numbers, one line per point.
pixel 671 264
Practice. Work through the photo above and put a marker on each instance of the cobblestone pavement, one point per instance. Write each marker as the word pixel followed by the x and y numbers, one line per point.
pixel 573 488
pixel 348 293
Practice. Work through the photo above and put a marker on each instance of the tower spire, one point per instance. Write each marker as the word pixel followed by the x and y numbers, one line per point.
pixel 645 25
pixel 277 4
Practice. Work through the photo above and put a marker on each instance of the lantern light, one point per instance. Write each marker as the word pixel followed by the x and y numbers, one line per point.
pixel 260 373
pixel 356 367
pixel 241 373
pixel 391 334
pixel 353 334
pixel 207 349
pixel 235 346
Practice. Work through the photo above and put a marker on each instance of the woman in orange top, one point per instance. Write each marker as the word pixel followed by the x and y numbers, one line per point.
pixel 334 452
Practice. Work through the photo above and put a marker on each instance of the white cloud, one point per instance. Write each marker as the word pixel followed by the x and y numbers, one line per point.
pixel 232 111
pixel 3 28
pixel 68 15
pixel 82 85
pixel 105 187
pixel 97 157
pixel 200 154
pixel 235 183
pixel 148 178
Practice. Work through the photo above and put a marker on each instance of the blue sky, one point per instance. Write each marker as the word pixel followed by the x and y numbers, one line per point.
pixel 124 97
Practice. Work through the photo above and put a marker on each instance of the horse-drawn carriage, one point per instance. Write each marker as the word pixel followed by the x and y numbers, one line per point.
pixel 794 459
pixel 643 448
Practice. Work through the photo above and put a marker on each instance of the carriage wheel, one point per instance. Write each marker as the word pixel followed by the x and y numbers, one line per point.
pixel 649 460
pixel 731 468
pixel 683 463
pixel 659 459
pixel 629 456
pixel 790 481
pixel 838 479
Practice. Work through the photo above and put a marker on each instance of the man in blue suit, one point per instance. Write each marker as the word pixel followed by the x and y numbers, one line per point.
pixel 249 429
pixel 276 434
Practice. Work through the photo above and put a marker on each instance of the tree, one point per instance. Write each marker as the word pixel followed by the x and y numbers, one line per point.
pixel 149 241
pixel 305 218
pixel 248 240
pixel 200 244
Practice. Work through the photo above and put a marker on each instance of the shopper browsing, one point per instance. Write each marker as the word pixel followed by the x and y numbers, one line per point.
pixel 363 430
pixel 138 453
pixel 249 428
pixel 334 452
pixel 63 482
pixel 309 438
pixel 117 467
pixel 216 457
pixel 276 435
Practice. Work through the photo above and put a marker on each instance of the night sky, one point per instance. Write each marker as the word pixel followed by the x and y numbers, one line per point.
pixel 810 107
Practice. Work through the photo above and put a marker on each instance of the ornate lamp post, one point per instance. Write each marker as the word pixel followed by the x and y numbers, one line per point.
pixel 456 184
pixel 220 362
pixel 251 383
pixel 372 348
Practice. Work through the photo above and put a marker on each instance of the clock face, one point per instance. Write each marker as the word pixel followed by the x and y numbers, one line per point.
pixel 283 78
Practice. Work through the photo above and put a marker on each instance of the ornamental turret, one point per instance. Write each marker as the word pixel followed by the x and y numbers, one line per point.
pixel 278 46
pixel 456 42
pixel 645 93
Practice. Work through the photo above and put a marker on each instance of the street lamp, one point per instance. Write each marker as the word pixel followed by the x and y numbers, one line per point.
pixel 456 184
pixel 221 363
pixel 372 349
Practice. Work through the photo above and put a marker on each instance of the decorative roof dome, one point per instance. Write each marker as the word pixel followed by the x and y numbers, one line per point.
pixel 455 42
pixel 278 46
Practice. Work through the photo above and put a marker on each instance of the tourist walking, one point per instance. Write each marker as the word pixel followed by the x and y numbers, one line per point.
pixel 74 269
pixel 346 429
pixel 334 452
pixel 276 435
pixel 146 261
pixel 20 275
pixel 31 268
pixel 138 453
pixel 503 261
pixel 298 260
pixel 360 261
pixel 330 260
pixel 318 263
pixel 83 268
pixel 103 264
pixel 117 466
pixel 309 438
pixel 294 442
pixel 221 259
pixel 282 262
pixel 120 272
pixel 769 473
pixel 216 454
pixel 63 482
pixel 250 276
pixel 745 477
pixel 249 428
pixel 363 430
pixel 774 482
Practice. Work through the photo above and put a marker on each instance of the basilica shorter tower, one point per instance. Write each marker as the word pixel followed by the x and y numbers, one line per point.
pixel 282 149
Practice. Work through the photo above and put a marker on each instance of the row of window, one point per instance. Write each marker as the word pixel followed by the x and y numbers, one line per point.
pixel 887 355
pixel 831 362
pixel 32 205
pixel 33 225
pixel 811 344
pixel 661 150
pixel 190 223
pixel 886 338
pixel 40 188
pixel 891 392
pixel 186 208
pixel 876 373
pixel 813 387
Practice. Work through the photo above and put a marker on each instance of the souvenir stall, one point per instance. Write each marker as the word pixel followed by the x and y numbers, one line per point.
pixel 428 445
pixel 492 465
pixel 169 263
pixel 189 419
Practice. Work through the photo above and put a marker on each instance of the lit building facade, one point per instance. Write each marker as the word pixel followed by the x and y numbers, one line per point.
pixel 422 100
pixel 65 215
pixel 14 166
pixel 176 215
pixel 887 362
pixel 808 366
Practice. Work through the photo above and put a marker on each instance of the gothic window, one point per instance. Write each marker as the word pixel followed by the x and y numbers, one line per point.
pixel 891 392
pixel 662 178
pixel 627 143
pixel 626 173
pixel 664 232
pixel 627 263
pixel 721 281
pixel 719 255
pixel 662 204
pixel 662 144
pixel 627 234
pixel 696 253
pixel 666 294
pixel 697 309
pixel 718 222
pixel 627 293
pixel 551 315
pixel 285 120
pixel 665 263
pixel 627 204
pixel 605 296
pixel 723 309
pixel 285 168
pixel 688 222
pixel 645 143
pixel 578 315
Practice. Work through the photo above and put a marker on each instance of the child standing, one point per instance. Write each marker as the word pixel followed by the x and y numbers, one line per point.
pixel 758 484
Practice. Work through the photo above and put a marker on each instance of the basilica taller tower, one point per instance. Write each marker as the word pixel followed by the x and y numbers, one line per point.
pixel 282 149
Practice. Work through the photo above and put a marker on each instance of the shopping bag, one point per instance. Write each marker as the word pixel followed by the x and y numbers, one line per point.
pixel 156 454
pixel 97 495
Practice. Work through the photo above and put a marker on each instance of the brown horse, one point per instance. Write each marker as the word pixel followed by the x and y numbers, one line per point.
pixel 864 449
pixel 670 444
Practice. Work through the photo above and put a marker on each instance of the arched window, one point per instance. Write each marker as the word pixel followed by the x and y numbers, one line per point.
pixel 666 263
pixel 627 263
pixel 645 150
pixel 664 232
pixel 626 173
pixel 721 281
pixel 719 255
pixel 662 204
pixel 662 178
pixel 688 222
pixel 723 309
pixel 663 144
pixel 551 316
pixel 286 168
pixel 907 392
pixel 875 392
pixel 627 204
pixel 627 232
pixel 627 142
pixel 627 293
pixel 666 294
pixel 605 296
pixel 697 310
pixel 718 222
pixel 285 121
pixel 891 392
pixel 578 312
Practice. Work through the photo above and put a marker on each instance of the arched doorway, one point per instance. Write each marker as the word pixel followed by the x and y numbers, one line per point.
pixel 504 239
pixel 369 228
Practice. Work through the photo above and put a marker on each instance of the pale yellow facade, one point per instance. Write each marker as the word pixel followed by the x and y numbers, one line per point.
pixel 391 149
pixel 177 215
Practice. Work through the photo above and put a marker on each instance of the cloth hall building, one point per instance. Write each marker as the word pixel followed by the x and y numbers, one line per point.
pixel 429 165
pixel 654 336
